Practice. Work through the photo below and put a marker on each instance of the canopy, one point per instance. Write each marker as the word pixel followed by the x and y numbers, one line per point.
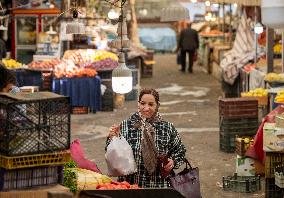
pixel 243 2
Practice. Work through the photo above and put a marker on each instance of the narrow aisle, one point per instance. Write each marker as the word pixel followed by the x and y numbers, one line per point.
pixel 190 101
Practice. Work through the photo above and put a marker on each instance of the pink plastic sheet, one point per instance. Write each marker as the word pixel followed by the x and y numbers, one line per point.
pixel 77 154
pixel 256 150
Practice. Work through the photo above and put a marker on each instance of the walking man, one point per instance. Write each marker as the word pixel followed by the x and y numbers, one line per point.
pixel 188 43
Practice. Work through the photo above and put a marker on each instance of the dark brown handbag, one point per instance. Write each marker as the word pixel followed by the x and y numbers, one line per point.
pixel 187 182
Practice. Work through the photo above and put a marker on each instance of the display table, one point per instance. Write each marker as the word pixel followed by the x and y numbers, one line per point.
pixel 51 191
pixel 84 92
pixel 28 78
pixel 137 193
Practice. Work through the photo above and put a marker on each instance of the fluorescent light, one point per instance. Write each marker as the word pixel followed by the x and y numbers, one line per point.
pixel 258 28
pixel 121 77
pixel 112 14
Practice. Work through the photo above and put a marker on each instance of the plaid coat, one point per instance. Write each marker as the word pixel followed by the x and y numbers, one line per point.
pixel 167 140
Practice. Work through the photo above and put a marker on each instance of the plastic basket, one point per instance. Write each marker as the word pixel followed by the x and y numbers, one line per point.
pixel 30 177
pixel 36 125
pixel 272 160
pixel 57 158
pixel 271 190
pixel 243 184
pixel 242 145
pixel 227 140
pixel 279 179
pixel 262 100
pixel 236 108
pixel 80 110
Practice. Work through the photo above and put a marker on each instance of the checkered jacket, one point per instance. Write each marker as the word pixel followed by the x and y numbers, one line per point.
pixel 167 141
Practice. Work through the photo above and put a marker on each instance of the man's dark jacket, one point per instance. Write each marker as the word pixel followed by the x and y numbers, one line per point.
pixel 188 39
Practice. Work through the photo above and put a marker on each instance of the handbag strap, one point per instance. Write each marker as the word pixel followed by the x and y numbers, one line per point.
pixel 187 164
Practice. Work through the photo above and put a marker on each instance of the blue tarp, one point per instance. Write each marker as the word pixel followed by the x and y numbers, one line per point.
pixel 163 39
pixel 82 91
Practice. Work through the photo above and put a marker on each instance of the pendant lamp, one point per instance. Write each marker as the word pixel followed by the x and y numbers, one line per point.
pixel 272 13
pixel 174 13
pixel 2 27
pixel 258 28
pixel 75 27
pixel 121 77
pixel 51 31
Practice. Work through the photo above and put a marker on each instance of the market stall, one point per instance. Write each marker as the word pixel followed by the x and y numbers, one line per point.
pixel 83 92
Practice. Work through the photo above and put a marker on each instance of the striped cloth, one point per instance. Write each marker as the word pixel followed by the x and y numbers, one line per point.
pixel 242 52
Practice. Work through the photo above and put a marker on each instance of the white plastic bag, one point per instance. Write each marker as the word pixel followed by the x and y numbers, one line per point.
pixel 119 158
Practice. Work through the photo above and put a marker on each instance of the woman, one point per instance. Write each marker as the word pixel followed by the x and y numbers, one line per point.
pixel 7 81
pixel 151 138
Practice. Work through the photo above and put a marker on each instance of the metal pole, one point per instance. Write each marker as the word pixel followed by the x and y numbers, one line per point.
pixel 255 58
pixel 269 49
pixel 224 22
pixel 282 55
pixel 255 20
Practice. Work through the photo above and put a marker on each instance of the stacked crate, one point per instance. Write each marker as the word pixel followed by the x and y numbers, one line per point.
pixel 272 160
pixel 237 117
pixel 274 157
pixel 34 139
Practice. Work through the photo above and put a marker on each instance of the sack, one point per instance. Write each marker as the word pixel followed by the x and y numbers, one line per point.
pixel 119 158
pixel 187 181
pixel 179 57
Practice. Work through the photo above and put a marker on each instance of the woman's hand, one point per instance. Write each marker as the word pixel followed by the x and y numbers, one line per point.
pixel 169 166
pixel 113 131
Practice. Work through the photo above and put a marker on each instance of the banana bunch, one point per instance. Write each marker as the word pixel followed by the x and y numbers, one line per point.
pixel 258 92
pixel 11 63
pixel 279 97
pixel 272 77
pixel 277 48
pixel 102 54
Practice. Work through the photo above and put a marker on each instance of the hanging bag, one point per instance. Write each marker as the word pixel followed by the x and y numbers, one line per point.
pixel 187 181
pixel 119 158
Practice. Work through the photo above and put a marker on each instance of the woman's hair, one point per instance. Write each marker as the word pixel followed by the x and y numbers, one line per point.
pixel 6 77
pixel 150 91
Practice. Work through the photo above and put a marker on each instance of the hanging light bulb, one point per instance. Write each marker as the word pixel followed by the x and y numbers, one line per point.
pixel 193 1
pixel 121 77
pixel 2 27
pixel 75 27
pixel 51 31
pixel 258 28
pixel 112 14
pixel 207 3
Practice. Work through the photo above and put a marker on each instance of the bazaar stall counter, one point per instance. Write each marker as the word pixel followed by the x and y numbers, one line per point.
pixel 31 77
pixel 84 92
pixel 147 192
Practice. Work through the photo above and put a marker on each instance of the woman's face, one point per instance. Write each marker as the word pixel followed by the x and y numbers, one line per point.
pixel 147 105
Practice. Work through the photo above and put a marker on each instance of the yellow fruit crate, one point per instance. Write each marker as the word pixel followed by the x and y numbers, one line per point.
pixel 56 158
pixel 262 100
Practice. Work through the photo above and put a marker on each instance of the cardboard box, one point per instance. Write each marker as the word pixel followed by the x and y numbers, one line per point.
pixel 273 138
pixel 245 166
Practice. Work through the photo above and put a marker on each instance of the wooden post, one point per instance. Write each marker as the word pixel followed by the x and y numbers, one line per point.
pixel 282 55
pixel 269 49
pixel 133 24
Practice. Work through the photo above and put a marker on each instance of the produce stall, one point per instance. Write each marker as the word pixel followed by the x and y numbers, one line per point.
pixel 75 75
pixel 83 92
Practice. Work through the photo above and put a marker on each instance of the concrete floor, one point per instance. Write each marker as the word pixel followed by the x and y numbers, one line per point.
pixel 190 101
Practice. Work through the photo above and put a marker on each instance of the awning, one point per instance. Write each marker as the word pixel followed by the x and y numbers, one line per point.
pixel 242 2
